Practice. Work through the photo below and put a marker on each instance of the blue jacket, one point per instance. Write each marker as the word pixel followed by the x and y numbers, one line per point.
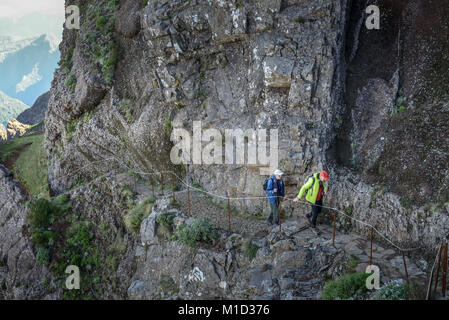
pixel 271 185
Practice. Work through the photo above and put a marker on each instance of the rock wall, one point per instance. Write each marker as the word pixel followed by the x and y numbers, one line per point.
pixel 20 276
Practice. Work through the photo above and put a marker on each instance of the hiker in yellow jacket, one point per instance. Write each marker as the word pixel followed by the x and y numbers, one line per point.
pixel 316 189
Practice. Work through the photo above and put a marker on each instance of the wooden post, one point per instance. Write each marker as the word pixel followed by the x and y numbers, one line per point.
pixel 438 269
pixel 371 247
pixel 162 183
pixel 229 216
pixel 443 285
pixel 335 227
pixel 280 210
pixel 173 185
pixel 188 200
pixel 429 287
pixel 152 185
pixel 405 266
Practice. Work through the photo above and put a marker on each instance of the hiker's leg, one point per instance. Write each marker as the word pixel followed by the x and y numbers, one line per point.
pixel 270 217
pixel 316 209
pixel 276 212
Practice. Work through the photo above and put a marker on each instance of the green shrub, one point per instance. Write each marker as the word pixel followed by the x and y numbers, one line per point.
pixel 350 286
pixel 41 216
pixel 70 128
pixel 198 232
pixel 166 219
pixel 251 250
pixel 70 82
pixel 348 211
pixel 43 256
pixel 101 22
pixel 394 290
pixel 136 215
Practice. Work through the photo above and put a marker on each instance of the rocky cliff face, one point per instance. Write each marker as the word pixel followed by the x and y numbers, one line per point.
pixel 308 68
pixel 21 277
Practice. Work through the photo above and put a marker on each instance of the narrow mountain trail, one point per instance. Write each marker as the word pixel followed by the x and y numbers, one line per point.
pixel 357 246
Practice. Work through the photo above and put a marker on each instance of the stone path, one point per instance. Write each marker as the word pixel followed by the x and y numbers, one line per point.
pixel 388 260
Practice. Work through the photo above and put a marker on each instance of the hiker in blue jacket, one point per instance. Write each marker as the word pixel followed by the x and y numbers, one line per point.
pixel 275 193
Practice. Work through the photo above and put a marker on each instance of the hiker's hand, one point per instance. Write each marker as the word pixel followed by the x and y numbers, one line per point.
pixel 295 200
pixel 325 192
pixel 275 190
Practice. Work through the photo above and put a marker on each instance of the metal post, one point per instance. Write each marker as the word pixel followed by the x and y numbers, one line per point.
pixel 405 266
pixel 188 200
pixel 335 227
pixel 371 247
pixel 438 269
pixel 173 185
pixel 443 285
pixel 229 216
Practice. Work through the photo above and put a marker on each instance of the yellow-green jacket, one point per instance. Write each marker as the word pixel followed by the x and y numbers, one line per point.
pixel 312 186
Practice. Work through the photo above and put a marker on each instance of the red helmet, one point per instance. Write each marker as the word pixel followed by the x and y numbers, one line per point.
pixel 325 175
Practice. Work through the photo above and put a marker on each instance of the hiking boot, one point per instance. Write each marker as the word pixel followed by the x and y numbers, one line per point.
pixel 309 218
pixel 315 230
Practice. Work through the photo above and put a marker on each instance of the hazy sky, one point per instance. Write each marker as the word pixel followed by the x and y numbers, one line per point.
pixel 18 8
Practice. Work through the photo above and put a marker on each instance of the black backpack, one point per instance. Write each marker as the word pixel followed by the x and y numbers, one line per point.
pixel 265 184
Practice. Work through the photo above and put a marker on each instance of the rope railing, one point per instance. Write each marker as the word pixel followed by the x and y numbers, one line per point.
pixel 227 199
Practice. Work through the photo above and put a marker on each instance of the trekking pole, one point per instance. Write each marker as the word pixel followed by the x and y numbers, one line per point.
pixel 335 227
pixel 229 216
pixel 443 285
pixel 371 247
pixel 405 266
pixel 135 182
pixel 115 166
pixel 438 269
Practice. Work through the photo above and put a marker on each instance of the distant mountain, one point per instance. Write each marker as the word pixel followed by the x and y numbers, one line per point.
pixel 36 113
pixel 9 108
pixel 27 66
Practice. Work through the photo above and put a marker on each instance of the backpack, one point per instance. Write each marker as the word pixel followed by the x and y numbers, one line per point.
pixel 265 184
